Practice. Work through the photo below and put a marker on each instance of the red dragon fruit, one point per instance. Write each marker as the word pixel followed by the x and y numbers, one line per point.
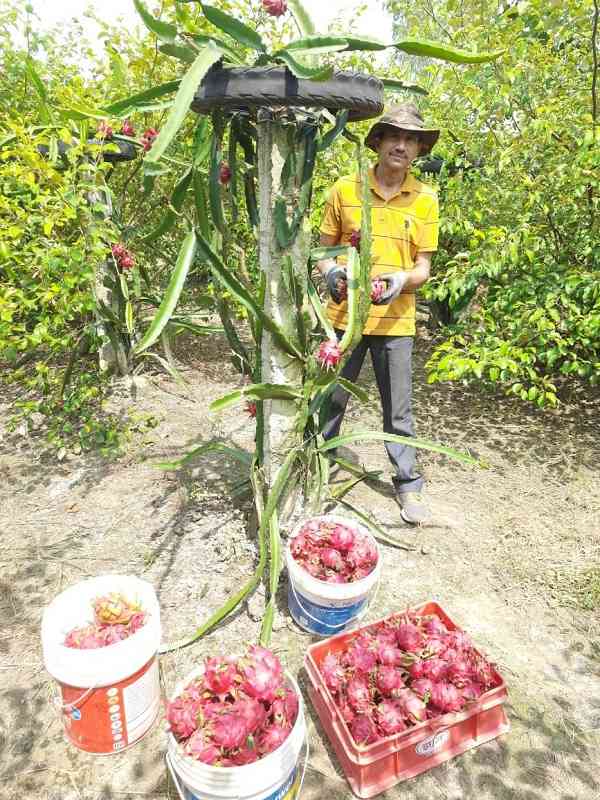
pixel 378 287
pixel 355 240
pixel 230 731
pixel 342 538
pixel 220 674
pixel 182 716
pixel 245 755
pixel 363 730
pixel 434 626
pixel 104 131
pixel 361 657
pixel 388 654
pixel 331 558
pixel 148 137
pixel 411 704
pixel 472 690
pixel 199 747
pixel 332 672
pixel 329 354
pixel 388 680
pixel 422 688
pixel 359 697
pixel 263 676
pixel 271 739
pixel 127 128
pixel 390 717
pixel 435 669
pixel 275 7
pixel 459 671
pixel 446 697
pixel 225 173
pixel 409 637
pixel 253 713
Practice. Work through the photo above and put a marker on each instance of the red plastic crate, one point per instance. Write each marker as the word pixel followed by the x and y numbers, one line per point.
pixel 371 769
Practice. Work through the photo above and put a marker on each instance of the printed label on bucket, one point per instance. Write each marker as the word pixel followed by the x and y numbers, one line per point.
pixel 321 619
pixel 432 745
pixel 109 718
pixel 288 790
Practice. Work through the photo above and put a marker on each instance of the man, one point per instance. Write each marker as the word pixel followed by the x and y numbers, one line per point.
pixel 405 234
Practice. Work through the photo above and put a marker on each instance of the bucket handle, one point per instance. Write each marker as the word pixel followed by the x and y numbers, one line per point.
pixel 179 788
pixel 65 708
pixel 340 625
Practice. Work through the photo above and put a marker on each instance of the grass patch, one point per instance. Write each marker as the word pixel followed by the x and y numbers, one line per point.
pixel 588 590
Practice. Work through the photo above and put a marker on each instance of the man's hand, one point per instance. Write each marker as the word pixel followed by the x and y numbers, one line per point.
pixel 336 282
pixel 395 283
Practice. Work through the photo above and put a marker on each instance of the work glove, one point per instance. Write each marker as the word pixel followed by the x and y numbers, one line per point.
pixel 337 283
pixel 395 283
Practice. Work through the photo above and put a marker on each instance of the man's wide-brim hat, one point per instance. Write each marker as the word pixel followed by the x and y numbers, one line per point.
pixel 404 118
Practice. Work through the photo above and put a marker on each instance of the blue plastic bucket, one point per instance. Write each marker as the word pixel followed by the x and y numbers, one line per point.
pixel 328 608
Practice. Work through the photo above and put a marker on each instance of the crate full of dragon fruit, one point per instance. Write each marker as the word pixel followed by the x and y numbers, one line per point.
pixel 402 695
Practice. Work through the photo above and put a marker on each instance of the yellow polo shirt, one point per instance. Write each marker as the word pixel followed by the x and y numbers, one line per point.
pixel 402 226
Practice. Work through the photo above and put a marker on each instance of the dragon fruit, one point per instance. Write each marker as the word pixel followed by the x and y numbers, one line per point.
pixel 199 747
pixel 115 618
pixel 148 137
pixel 411 704
pixel 274 7
pixel 127 128
pixel 332 672
pixel 433 626
pixel 182 716
pixel 361 657
pixel 328 355
pixel 342 538
pixel 435 668
pixel 388 680
pixel 104 131
pixel 220 674
pixel 363 730
pixel 422 687
pixel 355 240
pixel 230 731
pixel 332 559
pixel 472 690
pixel 388 654
pixel 409 637
pixel 378 287
pixel 358 694
pixel 446 697
pixel 253 713
pixel 271 739
pixel 390 717
pixel 263 676
pixel 225 173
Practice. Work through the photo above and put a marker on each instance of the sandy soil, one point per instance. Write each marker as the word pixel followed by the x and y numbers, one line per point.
pixel 505 548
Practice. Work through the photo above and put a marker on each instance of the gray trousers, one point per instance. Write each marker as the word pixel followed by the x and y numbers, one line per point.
pixel 392 363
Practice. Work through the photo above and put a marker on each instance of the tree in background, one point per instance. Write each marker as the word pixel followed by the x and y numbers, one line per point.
pixel 516 280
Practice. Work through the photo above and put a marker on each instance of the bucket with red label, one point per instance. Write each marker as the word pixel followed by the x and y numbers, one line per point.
pixel 110 695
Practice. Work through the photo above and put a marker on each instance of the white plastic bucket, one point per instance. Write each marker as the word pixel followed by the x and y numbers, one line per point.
pixel 110 695
pixel 328 608
pixel 277 776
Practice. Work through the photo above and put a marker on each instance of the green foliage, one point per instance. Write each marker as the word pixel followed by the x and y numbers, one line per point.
pixel 516 279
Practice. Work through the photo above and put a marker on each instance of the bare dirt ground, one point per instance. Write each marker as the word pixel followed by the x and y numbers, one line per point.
pixel 502 555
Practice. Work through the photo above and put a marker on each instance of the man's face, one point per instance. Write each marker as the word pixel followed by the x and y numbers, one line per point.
pixel 398 149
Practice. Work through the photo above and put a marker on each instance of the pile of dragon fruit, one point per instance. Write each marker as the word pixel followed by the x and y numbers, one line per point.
pixel 333 552
pixel 402 671
pixel 115 618
pixel 238 711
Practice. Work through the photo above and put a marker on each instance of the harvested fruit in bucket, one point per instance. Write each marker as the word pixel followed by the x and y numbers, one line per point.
pixel 402 671
pixel 236 712
pixel 115 618
pixel 333 552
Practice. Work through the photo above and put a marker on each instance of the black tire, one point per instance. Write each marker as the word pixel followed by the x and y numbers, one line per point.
pixel 255 87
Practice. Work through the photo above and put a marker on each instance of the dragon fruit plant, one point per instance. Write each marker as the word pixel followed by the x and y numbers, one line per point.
pixel 261 148
pixel 333 552
pixel 236 712
pixel 403 671
pixel 115 618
